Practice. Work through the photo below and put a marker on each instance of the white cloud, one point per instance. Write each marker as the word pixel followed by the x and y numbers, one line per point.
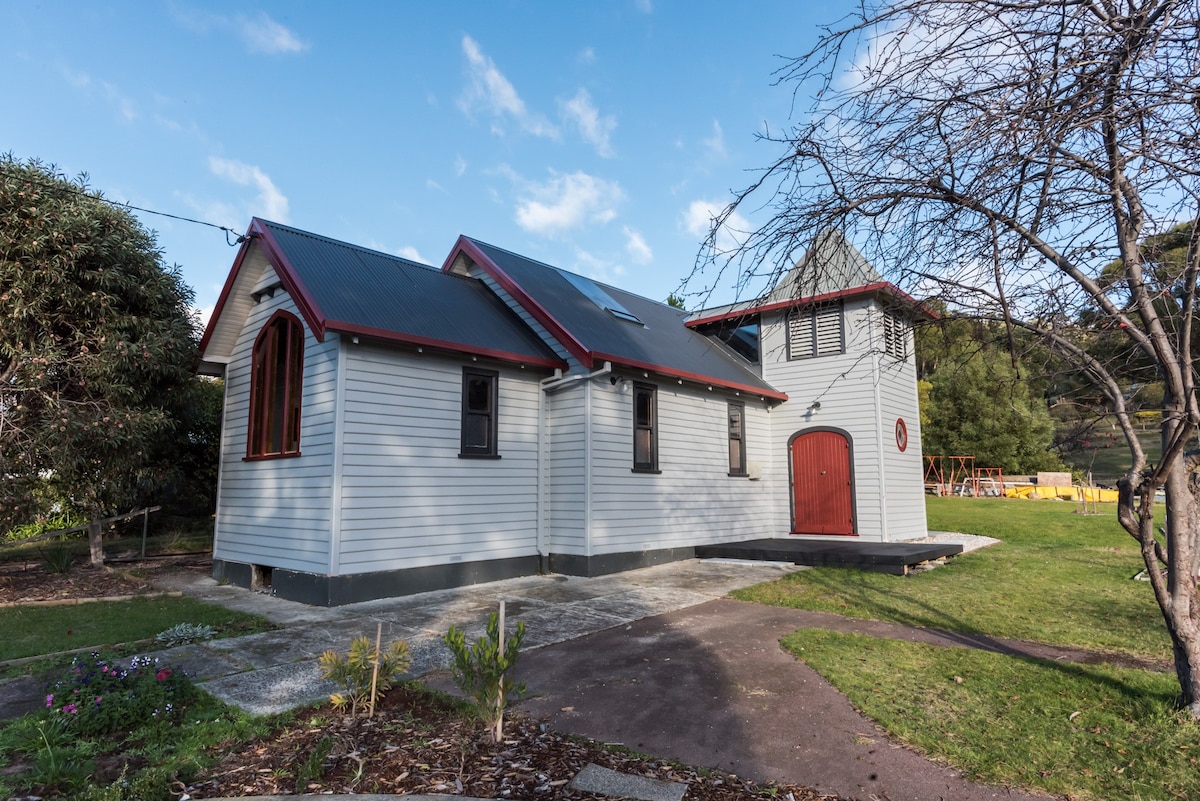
pixel 432 184
pixel 204 313
pixel 491 92
pixel 644 6
pixel 261 34
pixel 594 128
pixel 460 166
pixel 699 217
pixel 586 56
pixel 108 92
pixel 410 253
pixel 566 202
pixel 270 203
pixel 715 144
pixel 636 247
pixel 596 268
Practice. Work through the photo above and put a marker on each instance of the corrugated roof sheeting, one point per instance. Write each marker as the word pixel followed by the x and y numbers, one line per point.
pixel 365 288
pixel 663 341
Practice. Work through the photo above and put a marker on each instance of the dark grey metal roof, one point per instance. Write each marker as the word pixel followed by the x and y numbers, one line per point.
pixel 356 289
pixel 662 343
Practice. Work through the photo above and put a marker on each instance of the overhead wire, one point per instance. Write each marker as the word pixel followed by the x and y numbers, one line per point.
pixel 234 242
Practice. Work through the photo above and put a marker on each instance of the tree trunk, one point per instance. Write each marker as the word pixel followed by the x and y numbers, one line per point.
pixel 1178 598
pixel 96 543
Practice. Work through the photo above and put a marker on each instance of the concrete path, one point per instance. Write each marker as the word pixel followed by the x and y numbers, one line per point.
pixel 277 670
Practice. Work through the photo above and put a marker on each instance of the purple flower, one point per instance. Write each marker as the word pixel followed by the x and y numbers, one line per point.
pixel 49 700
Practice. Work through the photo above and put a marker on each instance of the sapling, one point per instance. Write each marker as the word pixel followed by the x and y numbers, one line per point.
pixel 480 670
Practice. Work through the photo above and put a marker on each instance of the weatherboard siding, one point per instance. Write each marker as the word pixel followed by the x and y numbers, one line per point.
pixel 566 444
pixel 276 512
pixel 692 500
pixel 475 271
pixel 407 500
pixel 889 502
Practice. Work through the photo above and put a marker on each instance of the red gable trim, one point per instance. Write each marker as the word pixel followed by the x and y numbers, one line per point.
pixel 429 342
pixel 868 289
pixel 257 232
pixel 535 309
pixel 696 377
pixel 291 282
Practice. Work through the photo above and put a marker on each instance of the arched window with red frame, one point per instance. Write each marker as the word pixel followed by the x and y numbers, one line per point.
pixel 276 380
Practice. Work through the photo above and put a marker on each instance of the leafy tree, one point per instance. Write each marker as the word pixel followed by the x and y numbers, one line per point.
pixel 977 405
pixel 1001 155
pixel 96 341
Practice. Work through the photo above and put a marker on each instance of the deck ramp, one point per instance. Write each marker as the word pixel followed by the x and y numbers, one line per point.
pixel 898 558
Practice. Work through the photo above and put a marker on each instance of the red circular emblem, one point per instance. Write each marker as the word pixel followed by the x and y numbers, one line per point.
pixel 901 434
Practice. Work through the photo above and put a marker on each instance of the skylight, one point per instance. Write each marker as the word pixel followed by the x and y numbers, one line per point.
pixel 601 298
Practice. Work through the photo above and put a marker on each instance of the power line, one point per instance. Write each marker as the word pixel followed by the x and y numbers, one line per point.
pixel 236 240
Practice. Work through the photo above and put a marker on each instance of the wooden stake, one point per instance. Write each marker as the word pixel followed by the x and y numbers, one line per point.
pixel 498 735
pixel 375 670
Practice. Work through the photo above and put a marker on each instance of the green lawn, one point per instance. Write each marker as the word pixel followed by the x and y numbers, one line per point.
pixel 1058 577
pixel 1078 731
pixel 38 630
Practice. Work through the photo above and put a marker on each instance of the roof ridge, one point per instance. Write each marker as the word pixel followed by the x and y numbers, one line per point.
pixel 558 269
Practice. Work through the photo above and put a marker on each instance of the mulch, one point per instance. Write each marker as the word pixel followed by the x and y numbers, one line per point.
pixel 418 743
pixel 28 580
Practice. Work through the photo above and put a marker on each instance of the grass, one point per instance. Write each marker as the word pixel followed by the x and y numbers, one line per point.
pixel 38 630
pixel 1078 731
pixel 1057 577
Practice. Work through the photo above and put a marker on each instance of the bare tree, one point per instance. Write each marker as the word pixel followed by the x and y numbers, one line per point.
pixel 999 155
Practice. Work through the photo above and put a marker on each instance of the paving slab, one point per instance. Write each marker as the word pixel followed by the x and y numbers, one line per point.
pixel 561 622
pixel 200 661
pixel 605 781
pixel 643 602
pixel 272 690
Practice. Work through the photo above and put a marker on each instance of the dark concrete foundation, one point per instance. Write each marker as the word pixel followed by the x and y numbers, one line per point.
pixel 603 564
pixel 319 590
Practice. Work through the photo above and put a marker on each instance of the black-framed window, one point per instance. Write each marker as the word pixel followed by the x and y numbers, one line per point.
pixel 816 331
pixel 645 428
pixel 479 412
pixel 737 438
pixel 276 376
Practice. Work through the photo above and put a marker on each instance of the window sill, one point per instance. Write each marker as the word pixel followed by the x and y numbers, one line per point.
pixel 479 456
pixel 738 475
pixel 266 457
pixel 646 470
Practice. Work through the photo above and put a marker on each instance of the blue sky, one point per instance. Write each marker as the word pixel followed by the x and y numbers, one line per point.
pixel 596 136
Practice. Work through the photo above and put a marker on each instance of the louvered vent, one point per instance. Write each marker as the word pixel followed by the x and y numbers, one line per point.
pixel 815 331
pixel 895 336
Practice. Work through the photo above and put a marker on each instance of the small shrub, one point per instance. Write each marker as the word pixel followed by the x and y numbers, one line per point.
pixel 98 697
pixel 480 670
pixel 184 633
pixel 57 559
pixel 353 671
pixel 53 522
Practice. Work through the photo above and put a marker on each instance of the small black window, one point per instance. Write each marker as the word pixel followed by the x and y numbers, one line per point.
pixel 645 428
pixel 479 412
pixel 737 438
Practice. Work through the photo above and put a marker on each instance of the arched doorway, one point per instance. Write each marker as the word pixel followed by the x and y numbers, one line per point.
pixel 822 482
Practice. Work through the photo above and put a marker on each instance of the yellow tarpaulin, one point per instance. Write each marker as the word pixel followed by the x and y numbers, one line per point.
pixel 1090 494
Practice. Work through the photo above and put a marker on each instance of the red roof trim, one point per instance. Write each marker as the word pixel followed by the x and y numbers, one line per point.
pixel 868 289
pixel 225 292
pixel 535 309
pixel 291 282
pixel 697 377
pixel 412 339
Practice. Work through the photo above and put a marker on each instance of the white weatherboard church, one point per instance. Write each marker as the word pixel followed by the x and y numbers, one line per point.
pixel 392 428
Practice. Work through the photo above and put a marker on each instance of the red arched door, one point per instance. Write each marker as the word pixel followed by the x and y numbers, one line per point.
pixel 822 491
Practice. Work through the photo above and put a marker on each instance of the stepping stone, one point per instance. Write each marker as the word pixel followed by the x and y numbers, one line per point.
pixel 602 781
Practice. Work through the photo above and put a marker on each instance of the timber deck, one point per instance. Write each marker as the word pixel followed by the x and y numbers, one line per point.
pixel 898 558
